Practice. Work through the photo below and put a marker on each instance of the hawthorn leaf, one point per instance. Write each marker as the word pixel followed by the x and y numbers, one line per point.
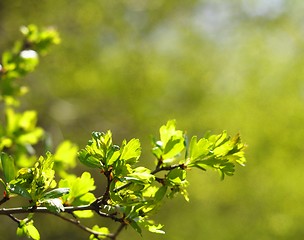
pixel 32 232
pixel 156 229
pixel 80 188
pixel 88 160
pixel 103 233
pixel 8 167
pixel 198 149
pixel 160 193
pixel 19 190
pixel 55 193
pixel 130 151
pixel 135 226
pixel 171 143
pixel 54 205
pixel 65 155
pixel 141 174
pixel 84 214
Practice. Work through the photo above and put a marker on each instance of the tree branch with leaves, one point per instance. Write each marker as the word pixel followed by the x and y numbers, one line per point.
pixel 132 192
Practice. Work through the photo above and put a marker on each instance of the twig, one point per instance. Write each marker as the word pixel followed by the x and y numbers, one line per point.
pixel 14 218
pixel 3 200
pixel 118 231
pixel 10 211
pixel 77 223
pixel 168 168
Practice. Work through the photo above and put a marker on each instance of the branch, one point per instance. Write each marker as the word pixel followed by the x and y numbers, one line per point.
pixel 3 200
pixel 14 218
pixel 168 168
pixel 118 231
pixel 10 211
pixel 157 169
pixel 19 210
pixel 70 210
pixel 79 225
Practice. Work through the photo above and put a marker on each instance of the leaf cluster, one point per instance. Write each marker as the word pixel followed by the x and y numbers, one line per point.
pixel 132 192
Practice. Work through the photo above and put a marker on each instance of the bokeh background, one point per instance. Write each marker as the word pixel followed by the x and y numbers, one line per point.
pixel 131 65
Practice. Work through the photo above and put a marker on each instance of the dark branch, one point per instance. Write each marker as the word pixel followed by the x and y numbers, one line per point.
pixel 118 231
pixel 168 168
pixel 3 200
pixel 14 218
pixel 77 223
pixel 10 211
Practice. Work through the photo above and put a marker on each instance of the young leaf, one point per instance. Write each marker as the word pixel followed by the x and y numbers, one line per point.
pixel 32 232
pixel 135 226
pixel 54 205
pixel 84 214
pixel 88 160
pixel 8 166
pixel 19 190
pixel 156 229
pixel 26 228
pixel 198 149
pixel 130 152
pixel 55 193
pixel 171 144
pixel 141 174
pixel 65 156
pixel 103 232
pixel 80 188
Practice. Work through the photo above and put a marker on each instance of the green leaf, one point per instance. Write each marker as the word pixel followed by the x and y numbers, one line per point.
pixel 198 149
pixel 219 152
pixel 171 143
pixel 156 229
pixel 86 198
pixel 177 176
pixel 88 160
pixel 8 166
pixel 113 157
pixel 103 232
pixel 65 155
pixel 54 205
pixel 33 232
pixel 55 193
pixel 80 188
pixel 135 226
pixel 26 228
pixel 84 214
pixel 141 174
pixel 130 152
pixel 161 192
pixel 19 190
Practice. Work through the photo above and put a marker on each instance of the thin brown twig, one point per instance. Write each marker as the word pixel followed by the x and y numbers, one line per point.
pixel 118 231
pixel 77 223
pixel 3 200
pixel 14 218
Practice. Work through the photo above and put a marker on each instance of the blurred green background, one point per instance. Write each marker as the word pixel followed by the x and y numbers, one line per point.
pixel 131 65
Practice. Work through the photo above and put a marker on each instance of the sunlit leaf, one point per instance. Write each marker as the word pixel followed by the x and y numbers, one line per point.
pixel 130 151
pixel 8 167
pixel 65 155
pixel 156 229
pixel 84 214
pixel 142 174
pixel 19 190
pixel 103 232
pixel 55 193
pixel 32 232
pixel 89 160
pixel 54 205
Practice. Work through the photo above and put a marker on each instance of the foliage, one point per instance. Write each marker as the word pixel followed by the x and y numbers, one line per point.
pixel 132 192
